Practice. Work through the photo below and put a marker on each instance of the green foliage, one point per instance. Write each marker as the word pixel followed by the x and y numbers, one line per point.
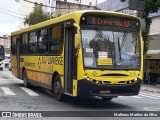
pixel 145 40
pixel 151 6
pixel 37 16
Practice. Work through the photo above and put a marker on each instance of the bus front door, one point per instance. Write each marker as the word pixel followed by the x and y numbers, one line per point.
pixel 70 65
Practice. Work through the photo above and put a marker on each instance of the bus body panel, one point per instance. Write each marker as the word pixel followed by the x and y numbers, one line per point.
pixel 40 68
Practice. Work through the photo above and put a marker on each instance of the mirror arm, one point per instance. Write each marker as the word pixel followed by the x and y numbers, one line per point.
pixel 77 26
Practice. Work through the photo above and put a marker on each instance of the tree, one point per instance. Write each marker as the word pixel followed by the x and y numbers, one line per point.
pixel 37 16
pixel 151 6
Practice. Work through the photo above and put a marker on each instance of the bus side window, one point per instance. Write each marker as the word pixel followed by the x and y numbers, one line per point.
pixel 13 46
pixel 43 37
pixel 57 39
pixel 24 44
pixel 32 43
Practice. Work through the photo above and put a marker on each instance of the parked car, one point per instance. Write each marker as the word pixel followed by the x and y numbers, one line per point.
pixel 6 62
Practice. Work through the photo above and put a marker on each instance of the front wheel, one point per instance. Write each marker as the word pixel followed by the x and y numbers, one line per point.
pixel 58 89
pixel 106 99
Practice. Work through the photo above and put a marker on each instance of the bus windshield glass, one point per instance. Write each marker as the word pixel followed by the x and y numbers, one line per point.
pixel 111 47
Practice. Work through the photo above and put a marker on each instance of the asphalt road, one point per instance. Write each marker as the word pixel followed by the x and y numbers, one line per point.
pixel 14 97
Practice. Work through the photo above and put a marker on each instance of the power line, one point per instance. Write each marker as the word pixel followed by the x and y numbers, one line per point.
pixel 11 15
pixel 13 12
pixel 3 33
pixel 13 8
pixel 47 5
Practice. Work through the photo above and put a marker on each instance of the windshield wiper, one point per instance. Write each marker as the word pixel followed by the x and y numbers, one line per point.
pixel 105 39
pixel 124 39
pixel 119 49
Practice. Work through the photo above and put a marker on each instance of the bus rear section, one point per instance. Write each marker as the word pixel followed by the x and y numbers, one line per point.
pixel 112 59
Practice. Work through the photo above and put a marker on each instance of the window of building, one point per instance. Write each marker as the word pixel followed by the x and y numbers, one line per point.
pixel 32 43
pixel 43 37
pixel 57 39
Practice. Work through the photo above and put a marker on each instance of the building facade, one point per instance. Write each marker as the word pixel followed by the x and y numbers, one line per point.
pixel 53 3
pixel 6 42
pixel 63 8
pixel 117 6
pixel 153 53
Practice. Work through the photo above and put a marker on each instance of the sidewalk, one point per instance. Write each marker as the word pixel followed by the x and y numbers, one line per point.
pixel 150 88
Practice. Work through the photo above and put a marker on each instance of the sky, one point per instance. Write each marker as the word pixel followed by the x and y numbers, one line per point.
pixel 9 16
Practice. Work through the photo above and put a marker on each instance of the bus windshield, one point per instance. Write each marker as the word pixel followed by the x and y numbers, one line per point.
pixel 110 48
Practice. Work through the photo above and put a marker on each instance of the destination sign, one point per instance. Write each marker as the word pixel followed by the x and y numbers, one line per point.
pixel 110 21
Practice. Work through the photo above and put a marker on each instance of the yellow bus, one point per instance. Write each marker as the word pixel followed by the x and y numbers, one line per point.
pixel 81 54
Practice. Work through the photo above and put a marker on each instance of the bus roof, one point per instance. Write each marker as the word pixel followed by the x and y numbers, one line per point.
pixel 73 15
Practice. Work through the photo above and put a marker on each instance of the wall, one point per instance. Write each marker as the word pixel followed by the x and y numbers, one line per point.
pixel 117 6
pixel 155 26
pixel 5 41
pixel 69 7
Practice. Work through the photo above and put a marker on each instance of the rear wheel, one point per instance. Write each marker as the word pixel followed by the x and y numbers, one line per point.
pixel 58 89
pixel 25 79
pixel 106 99
pixel 1 68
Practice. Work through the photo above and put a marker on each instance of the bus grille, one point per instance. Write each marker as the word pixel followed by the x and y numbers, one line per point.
pixel 110 82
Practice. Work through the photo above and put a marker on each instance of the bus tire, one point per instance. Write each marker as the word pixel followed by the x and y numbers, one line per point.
pixel 25 79
pixel 1 68
pixel 58 89
pixel 106 99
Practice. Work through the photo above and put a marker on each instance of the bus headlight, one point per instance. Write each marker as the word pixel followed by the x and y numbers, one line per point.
pixel 88 61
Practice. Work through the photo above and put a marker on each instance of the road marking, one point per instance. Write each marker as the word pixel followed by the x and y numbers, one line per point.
pixel 129 96
pixel 136 96
pixel 120 96
pixel 151 109
pixel 29 91
pixel 148 96
pixel 7 91
pixel 154 95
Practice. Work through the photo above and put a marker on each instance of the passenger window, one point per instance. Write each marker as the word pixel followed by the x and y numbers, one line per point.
pixel 57 39
pixel 24 45
pixel 13 46
pixel 33 43
pixel 43 37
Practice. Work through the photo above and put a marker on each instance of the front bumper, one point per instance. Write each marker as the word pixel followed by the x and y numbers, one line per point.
pixel 87 88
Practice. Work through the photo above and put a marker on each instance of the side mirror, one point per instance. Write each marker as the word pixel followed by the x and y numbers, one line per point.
pixel 77 41
pixel 77 37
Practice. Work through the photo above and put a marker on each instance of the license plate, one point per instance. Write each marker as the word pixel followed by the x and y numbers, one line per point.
pixel 104 91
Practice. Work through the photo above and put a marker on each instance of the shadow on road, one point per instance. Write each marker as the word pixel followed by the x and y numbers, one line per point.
pixel 90 103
